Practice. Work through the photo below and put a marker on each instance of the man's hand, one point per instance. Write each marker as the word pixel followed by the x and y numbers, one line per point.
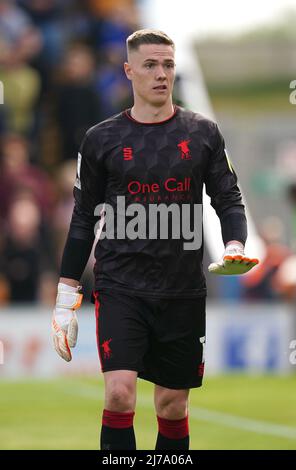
pixel 64 320
pixel 233 261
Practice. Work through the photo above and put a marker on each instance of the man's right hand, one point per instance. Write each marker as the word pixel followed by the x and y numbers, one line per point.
pixel 234 261
pixel 64 320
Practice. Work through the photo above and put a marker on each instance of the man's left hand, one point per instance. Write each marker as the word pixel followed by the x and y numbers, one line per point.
pixel 234 261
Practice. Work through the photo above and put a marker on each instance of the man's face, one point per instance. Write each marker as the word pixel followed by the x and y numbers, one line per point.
pixel 151 68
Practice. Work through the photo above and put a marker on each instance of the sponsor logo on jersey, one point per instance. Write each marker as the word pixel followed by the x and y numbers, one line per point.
pixel 127 153
pixel 170 185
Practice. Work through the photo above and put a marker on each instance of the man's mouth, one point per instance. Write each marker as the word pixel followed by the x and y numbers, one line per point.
pixel 160 87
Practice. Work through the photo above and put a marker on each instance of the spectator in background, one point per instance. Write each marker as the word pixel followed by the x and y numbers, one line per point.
pixel 286 171
pixel 78 106
pixel 113 21
pixel 23 257
pixel 65 177
pixel 4 285
pixel 19 43
pixel 286 279
pixel 46 15
pixel 18 174
pixel 111 84
pixel 62 217
pixel 262 282
pixel 34 42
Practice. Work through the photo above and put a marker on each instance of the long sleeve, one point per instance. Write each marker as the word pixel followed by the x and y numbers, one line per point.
pixel 226 199
pixel 89 191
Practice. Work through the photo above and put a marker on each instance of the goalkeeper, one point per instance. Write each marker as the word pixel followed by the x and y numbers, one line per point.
pixel 149 292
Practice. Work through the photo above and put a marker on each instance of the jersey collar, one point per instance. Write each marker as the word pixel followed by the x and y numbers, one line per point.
pixel 127 113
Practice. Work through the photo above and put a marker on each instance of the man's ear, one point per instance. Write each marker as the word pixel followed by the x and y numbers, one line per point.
pixel 128 70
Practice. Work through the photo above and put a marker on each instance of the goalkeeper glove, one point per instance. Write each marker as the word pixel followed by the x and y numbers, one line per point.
pixel 64 320
pixel 233 261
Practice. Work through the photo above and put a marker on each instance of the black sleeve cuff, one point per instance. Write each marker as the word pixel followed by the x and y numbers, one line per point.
pixel 75 257
pixel 234 227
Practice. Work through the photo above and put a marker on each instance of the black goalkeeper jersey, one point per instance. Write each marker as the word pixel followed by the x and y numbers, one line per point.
pixel 166 163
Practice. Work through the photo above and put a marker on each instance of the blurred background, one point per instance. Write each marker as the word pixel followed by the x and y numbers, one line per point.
pixel 61 66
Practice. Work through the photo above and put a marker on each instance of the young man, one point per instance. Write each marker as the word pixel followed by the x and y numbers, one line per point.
pixel 150 290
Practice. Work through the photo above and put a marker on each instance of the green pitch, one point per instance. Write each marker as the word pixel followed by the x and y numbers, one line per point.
pixel 228 412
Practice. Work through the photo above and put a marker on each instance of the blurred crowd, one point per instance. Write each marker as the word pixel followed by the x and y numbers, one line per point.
pixel 61 69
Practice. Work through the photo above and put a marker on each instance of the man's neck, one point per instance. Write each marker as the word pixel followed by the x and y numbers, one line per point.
pixel 148 113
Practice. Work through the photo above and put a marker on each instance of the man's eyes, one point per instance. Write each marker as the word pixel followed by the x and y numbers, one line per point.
pixel 168 66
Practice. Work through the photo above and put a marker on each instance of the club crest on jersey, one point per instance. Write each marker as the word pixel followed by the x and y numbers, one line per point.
pixel 127 153
pixel 184 149
pixel 106 348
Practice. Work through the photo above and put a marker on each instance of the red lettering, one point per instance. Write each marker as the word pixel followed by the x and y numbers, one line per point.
pixel 154 187
pixel 145 188
pixel 135 187
pixel 171 185
pixel 166 184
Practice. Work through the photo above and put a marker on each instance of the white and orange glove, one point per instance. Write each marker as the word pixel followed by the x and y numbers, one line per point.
pixel 233 261
pixel 64 320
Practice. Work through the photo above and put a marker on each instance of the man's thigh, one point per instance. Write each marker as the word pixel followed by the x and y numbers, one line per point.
pixel 175 358
pixel 122 331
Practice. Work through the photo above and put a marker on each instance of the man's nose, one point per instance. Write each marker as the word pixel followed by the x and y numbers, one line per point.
pixel 160 73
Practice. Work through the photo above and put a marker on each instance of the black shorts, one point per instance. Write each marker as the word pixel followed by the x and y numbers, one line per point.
pixel 162 339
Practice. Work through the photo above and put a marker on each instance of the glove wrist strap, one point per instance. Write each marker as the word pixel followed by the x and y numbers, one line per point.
pixel 234 247
pixel 69 297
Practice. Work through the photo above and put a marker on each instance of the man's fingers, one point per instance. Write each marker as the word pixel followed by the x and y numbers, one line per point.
pixel 241 258
pixel 64 349
pixel 233 262
pixel 213 267
pixel 249 262
pixel 56 345
pixel 233 265
pixel 254 261
pixel 238 259
pixel 242 266
pixel 65 336
pixel 61 346
pixel 72 332
pixel 233 258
